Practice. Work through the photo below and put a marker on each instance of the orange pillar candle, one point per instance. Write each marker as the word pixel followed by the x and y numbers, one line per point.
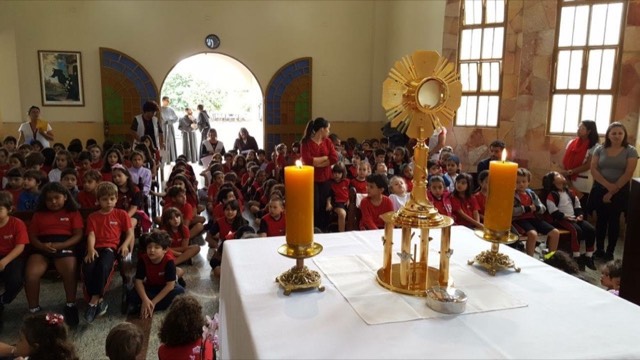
pixel 502 187
pixel 298 187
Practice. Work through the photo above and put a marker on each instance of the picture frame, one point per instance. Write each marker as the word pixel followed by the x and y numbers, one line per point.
pixel 61 82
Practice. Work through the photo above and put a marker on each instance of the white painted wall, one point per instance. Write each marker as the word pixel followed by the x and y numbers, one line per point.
pixel 352 43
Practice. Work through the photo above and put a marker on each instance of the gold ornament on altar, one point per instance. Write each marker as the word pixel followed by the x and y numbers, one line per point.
pixel 420 95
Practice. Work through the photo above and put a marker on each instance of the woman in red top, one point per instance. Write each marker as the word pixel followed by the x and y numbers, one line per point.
pixel 316 149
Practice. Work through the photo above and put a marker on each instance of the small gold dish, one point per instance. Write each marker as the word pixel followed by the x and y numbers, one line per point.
pixel 446 300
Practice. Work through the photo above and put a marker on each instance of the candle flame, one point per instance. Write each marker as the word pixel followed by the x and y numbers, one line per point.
pixel 504 154
pixel 299 164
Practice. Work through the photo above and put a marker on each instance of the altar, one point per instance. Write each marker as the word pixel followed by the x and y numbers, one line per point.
pixel 549 314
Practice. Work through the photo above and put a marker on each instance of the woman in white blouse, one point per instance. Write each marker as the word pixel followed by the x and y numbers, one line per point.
pixel 35 129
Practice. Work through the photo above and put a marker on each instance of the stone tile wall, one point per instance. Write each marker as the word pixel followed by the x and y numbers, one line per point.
pixel 526 85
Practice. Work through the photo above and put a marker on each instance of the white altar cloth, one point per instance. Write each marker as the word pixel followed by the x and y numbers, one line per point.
pixel 564 317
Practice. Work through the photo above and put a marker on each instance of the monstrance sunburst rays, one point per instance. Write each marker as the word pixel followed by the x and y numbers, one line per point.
pixel 422 93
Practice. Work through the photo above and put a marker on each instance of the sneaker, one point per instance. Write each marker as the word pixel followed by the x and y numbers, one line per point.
pixel 71 315
pixel 90 314
pixel 181 282
pixel 588 262
pixel 580 261
pixel 102 308
pixel 35 310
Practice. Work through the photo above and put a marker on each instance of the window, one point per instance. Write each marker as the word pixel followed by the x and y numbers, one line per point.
pixel 480 53
pixel 586 58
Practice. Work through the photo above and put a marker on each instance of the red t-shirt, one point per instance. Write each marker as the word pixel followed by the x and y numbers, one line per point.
pixel 309 150
pixel 61 222
pixel 212 192
pixel 468 206
pixel 371 214
pixel 88 200
pixel 360 185
pixel 409 183
pixel 273 227
pixel 195 350
pixel 223 228
pixel 186 210
pixel 133 197
pixel 340 191
pixel 443 204
pixel 526 201
pixel 177 236
pixel 15 193
pixel 157 274
pixel 13 233
pixel 108 227
pixel 481 199
pixel 97 165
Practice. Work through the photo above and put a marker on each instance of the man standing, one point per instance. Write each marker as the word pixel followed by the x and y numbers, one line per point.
pixel 203 122
pixel 187 126
pixel 169 118
pixel 148 124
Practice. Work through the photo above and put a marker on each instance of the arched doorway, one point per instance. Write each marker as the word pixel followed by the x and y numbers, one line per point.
pixel 229 91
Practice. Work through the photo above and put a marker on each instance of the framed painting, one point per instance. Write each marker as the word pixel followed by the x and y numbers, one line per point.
pixel 61 78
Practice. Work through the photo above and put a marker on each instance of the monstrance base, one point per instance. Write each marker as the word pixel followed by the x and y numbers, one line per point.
pixel 417 284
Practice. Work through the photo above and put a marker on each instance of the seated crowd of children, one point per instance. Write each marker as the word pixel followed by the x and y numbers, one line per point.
pixel 89 202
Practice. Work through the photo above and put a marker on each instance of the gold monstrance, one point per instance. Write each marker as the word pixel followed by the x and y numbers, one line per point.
pixel 420 95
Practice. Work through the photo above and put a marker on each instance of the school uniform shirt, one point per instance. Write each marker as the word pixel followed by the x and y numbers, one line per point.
pixel 481 199
pixel 61 222
pixel 87 200
pixel 156 275
pixel 359 185
pixel 409 183
pixel 212 191
pixel 340 191
pixel 525 201
pixel 197 350
pixel 132 197
pixel 186 210
pixel 13 233
pixel 273 227
pixel 451 180
pixel 108 227
pixel 443 203
pixel 97 165
pixel 371 213
pixel 177 236
pixel 15 194
pixel 399 200
pixel 224 228
pixel 468 206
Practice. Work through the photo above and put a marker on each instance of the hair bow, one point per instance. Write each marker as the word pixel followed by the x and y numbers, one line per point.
pixel 54 319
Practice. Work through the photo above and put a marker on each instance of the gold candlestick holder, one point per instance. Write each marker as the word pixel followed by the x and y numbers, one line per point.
pixel 299 277
pixel 492 260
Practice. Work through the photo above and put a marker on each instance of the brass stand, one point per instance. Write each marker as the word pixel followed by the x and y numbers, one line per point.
pixel 299 277
pixel 492 260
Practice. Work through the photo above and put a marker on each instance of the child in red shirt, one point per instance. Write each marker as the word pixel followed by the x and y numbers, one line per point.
pixel 274 223
pixel 222 229
pixel 172 223
pixel 13 238
pixel 439 196
pixel 14 184
pixel 54 231
pixel 464 206
pixel 155 281
pixel 375 204
pixel 360 182
pixel 339 199
pixel 178 198
pixel 104 230
pixel 87 196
